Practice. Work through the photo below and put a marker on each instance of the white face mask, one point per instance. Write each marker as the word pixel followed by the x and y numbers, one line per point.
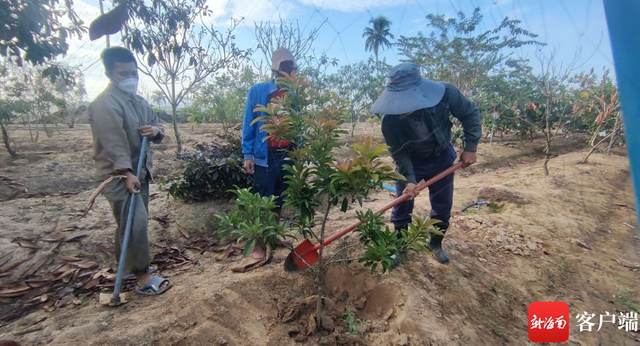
pixel 129 85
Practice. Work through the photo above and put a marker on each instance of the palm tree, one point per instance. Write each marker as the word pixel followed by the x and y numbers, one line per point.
pixel 377 35
pixel 158 98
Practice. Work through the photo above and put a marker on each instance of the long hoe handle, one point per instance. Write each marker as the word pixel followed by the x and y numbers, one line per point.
pixel 115 300
pixel 391 204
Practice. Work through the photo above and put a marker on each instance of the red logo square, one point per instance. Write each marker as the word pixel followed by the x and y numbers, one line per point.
pixel 548 322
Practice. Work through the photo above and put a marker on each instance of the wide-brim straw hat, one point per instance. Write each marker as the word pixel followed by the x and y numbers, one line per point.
pixel 407 91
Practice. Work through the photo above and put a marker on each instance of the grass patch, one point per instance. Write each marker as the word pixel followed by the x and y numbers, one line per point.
pixel 471 211
pixel 353 324
pixel 494 207
pixel 623 298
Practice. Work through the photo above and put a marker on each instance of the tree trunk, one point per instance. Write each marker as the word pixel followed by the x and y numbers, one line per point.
pixel 7 141
pixel 549 138
pixel 615 135
pixel 613 139
pixel 29 124
pixel 175 128
pixel 592 141
pixel 593 149
pixel 595 146
pixel 47 131
pixel 174 108
pixel 321 266
pixel 37 130
pixel 225 128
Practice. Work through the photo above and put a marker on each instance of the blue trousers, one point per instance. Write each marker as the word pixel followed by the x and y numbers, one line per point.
pixel 269 181
pixel 440 193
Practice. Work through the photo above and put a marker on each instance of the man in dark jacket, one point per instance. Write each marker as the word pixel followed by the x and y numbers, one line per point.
pixel 417 129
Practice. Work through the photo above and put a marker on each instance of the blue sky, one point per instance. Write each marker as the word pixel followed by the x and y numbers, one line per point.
pixel 567 26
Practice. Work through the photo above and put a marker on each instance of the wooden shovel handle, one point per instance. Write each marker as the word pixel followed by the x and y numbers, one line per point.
pixel 391 204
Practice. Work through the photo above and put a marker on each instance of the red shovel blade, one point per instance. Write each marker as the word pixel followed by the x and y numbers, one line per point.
pixel 301 258
pixel 306 254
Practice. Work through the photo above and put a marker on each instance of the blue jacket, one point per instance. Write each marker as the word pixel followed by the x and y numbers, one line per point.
pixel 254 146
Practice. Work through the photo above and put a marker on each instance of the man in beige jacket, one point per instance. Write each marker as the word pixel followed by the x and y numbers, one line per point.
pixel 119 119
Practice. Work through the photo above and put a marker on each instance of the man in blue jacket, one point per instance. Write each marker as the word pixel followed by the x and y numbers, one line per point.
pixel 417 129
pixel 265 159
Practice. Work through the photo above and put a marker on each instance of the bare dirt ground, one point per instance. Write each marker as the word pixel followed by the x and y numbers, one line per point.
pixel 568 237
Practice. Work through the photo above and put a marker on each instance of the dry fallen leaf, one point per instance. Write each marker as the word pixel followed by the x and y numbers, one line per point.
pixel 183 232
pixel 69 258
pixel 162 219
pixel 583 245
pixel 5 258
pixel 84 264
pixel 91 284
pixel 103 249
pixel 50 308
pixel 35 283
pixel 16 291
pixel 28 244
pixel 35 266
pixel 58 237
pixel 61 269
pixel 64 275
pixel 76 238
pixel 97 192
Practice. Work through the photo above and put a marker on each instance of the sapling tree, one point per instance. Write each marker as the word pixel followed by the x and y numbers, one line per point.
pixel 596 102
pixel 31 93
pixel 253 221
pixel 285 34
pixel 553 113
pixel 360 84
pixel 179 49
pixel 6 115
pixel 318 182
pixel 223 98
pixel 457 52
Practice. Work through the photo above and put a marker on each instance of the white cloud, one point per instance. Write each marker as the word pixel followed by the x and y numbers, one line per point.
pixel 86 11
pixel 250 10
pixel 351 5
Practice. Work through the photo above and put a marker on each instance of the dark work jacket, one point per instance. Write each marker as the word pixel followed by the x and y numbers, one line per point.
pixel 427 132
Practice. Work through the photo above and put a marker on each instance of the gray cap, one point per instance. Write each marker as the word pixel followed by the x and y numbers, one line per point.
pixel 407 91
pixel 279 55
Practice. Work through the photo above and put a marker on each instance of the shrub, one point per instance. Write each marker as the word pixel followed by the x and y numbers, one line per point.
pixel 254 221
pixel 317 181
pixel 210 172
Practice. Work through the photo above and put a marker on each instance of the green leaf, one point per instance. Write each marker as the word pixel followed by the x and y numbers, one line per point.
pixel 151 59
pixel 248 247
